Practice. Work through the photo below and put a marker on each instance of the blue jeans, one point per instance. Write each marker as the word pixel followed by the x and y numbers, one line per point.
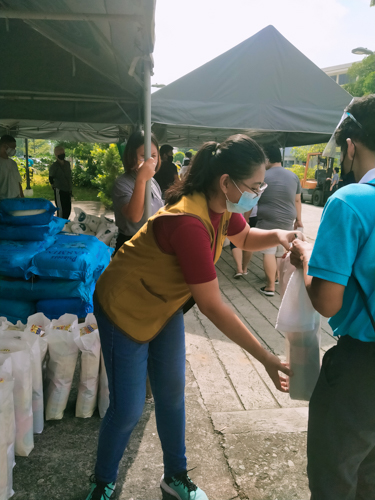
pixel 127 364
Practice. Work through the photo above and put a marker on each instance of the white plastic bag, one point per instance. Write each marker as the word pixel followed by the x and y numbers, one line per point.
pixel 63 353
pixel 87 340
pixel 286 270
pixel 19 352
pixel 103 399
pixel 301 324
pixel 36 369
pixel 7 429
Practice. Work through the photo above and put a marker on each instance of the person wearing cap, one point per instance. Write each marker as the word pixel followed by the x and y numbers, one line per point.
pixel 339 273
pixel 60 177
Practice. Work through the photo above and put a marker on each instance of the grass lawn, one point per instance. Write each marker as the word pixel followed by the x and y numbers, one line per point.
pixel 42 189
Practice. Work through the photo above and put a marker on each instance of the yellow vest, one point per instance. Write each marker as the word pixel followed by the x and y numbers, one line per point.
pixel 143 287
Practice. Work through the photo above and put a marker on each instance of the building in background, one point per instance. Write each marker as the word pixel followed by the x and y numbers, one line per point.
pixel 339 73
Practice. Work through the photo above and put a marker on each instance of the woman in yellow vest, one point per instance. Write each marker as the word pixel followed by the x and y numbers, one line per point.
pixel 140 297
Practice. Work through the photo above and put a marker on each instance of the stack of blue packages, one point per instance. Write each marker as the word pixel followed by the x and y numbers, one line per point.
pixel 42 269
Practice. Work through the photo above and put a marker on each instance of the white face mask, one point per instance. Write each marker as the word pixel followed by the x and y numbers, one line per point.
pixel 10 151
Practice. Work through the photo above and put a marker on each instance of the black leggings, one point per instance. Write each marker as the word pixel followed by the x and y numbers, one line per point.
pixel 121 238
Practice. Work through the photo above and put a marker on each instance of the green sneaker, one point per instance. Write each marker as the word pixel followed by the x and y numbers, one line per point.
pixel 100 490
pixel 181 487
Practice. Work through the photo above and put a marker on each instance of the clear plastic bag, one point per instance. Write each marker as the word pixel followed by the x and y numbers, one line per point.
pixel 286 270
pixel 300 323
pixel 88 342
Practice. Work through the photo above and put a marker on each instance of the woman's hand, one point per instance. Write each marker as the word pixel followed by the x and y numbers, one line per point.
pixel 287 237
pixel 146 170
pixel 300 253
pixel 273 366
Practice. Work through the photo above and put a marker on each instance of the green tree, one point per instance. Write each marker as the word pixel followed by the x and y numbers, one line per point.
pixel 300 153
pixel 363 75
pixel 109 167
pixel 179 156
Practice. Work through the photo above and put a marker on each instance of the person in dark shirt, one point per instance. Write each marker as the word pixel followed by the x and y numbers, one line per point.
pixel 167 173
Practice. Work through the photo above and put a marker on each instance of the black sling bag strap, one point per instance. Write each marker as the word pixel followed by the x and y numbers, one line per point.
pixel 364 298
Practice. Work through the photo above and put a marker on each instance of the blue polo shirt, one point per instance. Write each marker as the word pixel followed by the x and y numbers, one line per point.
pixel 345 245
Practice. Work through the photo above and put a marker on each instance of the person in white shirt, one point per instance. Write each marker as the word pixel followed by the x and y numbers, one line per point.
pixel 10 178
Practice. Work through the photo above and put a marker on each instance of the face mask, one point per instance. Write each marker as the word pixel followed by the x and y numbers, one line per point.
pixel 246 203
pixel 349 177
pixel 61 157
pixel 10 151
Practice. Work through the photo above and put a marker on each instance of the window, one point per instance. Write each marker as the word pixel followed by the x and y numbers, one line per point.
pixel 334 77
pixel 343 79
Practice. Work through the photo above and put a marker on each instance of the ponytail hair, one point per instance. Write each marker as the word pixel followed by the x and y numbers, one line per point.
pixel 238 156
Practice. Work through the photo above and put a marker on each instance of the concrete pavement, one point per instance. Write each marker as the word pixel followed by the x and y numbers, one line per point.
pixel 245 440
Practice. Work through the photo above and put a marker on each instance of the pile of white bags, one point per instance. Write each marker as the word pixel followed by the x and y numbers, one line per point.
pixel 23 348
pixel 300 323
pixel 102 227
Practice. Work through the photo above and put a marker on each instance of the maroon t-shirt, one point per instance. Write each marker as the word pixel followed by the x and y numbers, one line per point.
pixel 187 238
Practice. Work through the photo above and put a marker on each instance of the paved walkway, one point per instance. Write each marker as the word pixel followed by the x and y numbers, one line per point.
pixel 245 440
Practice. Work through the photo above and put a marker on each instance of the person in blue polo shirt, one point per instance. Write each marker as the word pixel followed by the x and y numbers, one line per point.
pixel 340 280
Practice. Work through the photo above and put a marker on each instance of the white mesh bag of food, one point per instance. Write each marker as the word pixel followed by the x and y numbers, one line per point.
pixel 7 429
pixel 300 323
pixel 20 354
pixel 63 353
pixel 88 342
pixel 103 397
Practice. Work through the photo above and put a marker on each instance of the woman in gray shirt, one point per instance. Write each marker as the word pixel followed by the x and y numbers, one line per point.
pixel 128 193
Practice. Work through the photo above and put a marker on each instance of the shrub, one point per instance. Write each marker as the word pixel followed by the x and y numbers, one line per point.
pixel 299 170
pixel 109 167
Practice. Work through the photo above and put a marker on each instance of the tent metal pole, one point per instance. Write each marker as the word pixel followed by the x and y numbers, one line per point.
pixel 283 155
pixel 147 130
pixel 27 163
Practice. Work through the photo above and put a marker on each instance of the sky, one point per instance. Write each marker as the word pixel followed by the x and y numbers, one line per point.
pixel 190 33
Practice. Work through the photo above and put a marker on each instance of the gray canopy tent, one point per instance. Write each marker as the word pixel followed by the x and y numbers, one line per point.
pixel 76 70
pixel 263 87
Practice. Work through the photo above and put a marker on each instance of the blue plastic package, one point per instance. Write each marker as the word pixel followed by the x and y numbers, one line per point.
pixel 31 233
pixel 16 256
pixel 19 309
pixel 54 308
pixel 74 257
pixel 38 289
pixel 14 211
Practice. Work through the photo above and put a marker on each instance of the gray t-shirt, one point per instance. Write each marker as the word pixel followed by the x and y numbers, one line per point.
pixel 335 179
pixel 276 207
pixel 61 175
pixel 121 195
pixel 10 179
